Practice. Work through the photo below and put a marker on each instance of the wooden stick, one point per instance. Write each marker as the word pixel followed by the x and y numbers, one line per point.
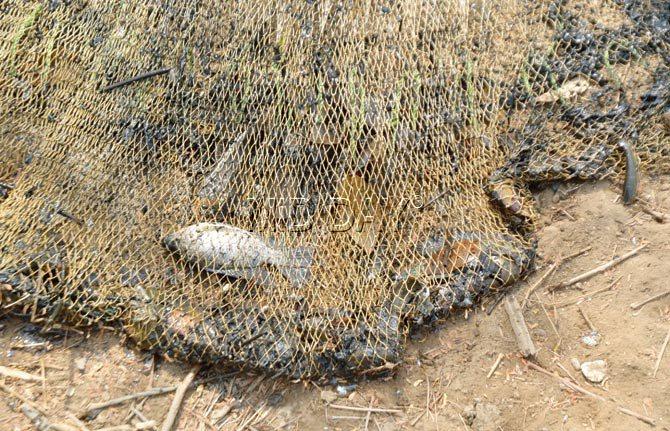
pixel 586 318
pixel 495 366
pixel 599 269
pixel 135 79
pixel 178 399
pixel 519 326
pixel 661 353
pixel 648 300
pixel 364 409
pixel 92 408
pixel 18 374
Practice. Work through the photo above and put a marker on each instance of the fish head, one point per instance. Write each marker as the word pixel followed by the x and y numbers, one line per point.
pixel 181 240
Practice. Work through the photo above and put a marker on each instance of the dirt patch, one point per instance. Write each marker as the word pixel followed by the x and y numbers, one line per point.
pixel 445 369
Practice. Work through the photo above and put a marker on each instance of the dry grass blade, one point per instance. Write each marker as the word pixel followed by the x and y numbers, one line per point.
pixel 587 320
pixel 588 295
pixel 661 353
pixel 365 409
pixel 495 365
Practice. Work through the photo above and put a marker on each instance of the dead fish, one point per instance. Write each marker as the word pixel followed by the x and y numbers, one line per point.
pixel 227 250
pixel 630 185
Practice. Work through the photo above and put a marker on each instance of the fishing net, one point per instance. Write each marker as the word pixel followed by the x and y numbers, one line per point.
pixel 360 168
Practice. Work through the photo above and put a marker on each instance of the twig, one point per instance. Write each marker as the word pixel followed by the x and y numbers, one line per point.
pixel 94 408
pixel 364 409
pixel 135 79
pixel 347 418
pixel 68 215
pixel 178 399
pixel 588 295
pixel 495 366
pixel 537 284
pixel 656 215
pixel 599 269
pixel 496 301
pixel 18 374
pixel 575 387
pixel 567 214
pixel 367 419
pixel 645 419
pixel 648 300
pixel 660 354
pixel 418 418
pixel 519 326
pixel 551 269
pixel 576 254
pixel 586 318
pixel 567 383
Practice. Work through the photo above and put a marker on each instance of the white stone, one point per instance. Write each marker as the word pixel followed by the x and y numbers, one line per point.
pixel 594 371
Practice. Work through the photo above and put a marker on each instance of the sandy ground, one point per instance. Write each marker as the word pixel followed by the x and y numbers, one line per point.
pixel 442 384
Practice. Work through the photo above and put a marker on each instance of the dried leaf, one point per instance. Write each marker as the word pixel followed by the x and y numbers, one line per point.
pixel 568 90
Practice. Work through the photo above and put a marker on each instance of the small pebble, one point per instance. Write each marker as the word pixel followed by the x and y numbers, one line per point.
pixel 80 363
pixel 594 371
pixel 592 339
pixel 575 364
pixel 344 391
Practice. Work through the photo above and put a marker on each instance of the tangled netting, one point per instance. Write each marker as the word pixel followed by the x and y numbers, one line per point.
pixel 293 185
